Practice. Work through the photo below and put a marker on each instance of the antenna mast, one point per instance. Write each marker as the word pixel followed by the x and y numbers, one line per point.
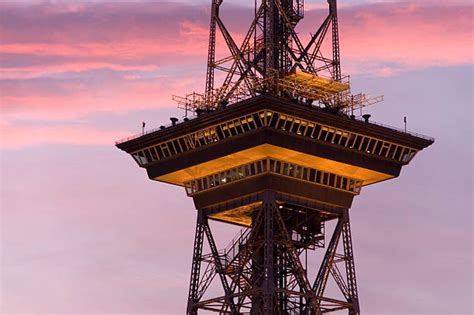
pixel 273 60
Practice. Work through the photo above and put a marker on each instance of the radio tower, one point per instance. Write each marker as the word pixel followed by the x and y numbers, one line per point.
pixel 274 147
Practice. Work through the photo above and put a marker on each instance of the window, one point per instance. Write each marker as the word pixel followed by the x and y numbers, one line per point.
pixel 365 144
pixel 234 175
pixel 285 169
pixel 325 178
pixel 344 139
pixel 330 135
pixel 312 175
pixel 309 130
pixel 298 172
pixel 337 137
pixel 265 165
pixel 257 120
pixel 370 147
pixel 302 128
pixel 316 131
pixel 148 155
pixel 247 170
pixel 245 125
pixel 171 148
pixel 164 149
pixel 378 147
pixel 295 126
pixel 344 183
pixel 278 167
pixel 398 153
pixel 357 142
pixel 332 179
pixel 323 134
pixel 291 170
pixel 385 148
pixel 281 122
pixel 240 171
pixel 272 165
pixel 319 177
pixel 154 157
pixel 273 119
pixel 252 169
pixel 305 173
pixel 391 151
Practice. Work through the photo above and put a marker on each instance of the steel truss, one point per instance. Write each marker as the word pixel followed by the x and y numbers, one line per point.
pixel 270 50
pixel 261 271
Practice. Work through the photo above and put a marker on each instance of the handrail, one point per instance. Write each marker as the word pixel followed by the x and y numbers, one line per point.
pixel 136 136
pixel 419 135
pixel 239 239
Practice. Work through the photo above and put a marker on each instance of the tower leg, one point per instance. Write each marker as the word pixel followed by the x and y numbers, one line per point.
pixel 329 266
pixel 262 272
pixel 268 288
pixel 196 265
pixel 352 294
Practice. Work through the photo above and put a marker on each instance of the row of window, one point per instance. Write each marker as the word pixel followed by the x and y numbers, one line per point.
pixel 339 137
pixel 278 121
pixel 200 138
pixel 277 167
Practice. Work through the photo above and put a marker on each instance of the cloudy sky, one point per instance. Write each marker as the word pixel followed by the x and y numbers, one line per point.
pixel 84 232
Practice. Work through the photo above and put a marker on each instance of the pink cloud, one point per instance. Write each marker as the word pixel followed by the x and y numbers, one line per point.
pixel 18 73
pixel 72 101
pixel 143 53
pixel 409 36
pixel 17 137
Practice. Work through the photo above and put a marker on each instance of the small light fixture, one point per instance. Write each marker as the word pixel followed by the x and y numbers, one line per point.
pixel 174 120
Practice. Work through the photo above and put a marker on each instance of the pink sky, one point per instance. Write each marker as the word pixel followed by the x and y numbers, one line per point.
pixel 84 231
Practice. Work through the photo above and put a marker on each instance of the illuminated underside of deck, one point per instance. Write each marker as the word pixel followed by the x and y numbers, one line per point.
pixel 270 151
pixel 241 215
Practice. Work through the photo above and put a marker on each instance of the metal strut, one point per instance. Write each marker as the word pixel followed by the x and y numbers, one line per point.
pixel 262 271
pixel 196 265
pixel 270 53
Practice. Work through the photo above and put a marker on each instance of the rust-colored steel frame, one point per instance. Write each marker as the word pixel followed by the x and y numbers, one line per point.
pixel 262 271
pixel 270 50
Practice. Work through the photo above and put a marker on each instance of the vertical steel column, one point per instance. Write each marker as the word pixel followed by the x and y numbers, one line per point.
pixel 269 38
pixel 229 300
pixel 335 41
pixel 196 265
pixel 268 287
pixel 211 57
pixel 350 268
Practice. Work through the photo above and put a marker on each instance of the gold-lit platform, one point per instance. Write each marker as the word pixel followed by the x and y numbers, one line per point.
pixel 271 151
pixel 310 81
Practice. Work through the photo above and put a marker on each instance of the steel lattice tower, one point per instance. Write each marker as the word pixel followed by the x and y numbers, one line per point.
pixel 276 149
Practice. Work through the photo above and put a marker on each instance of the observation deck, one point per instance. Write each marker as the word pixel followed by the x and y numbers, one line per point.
pixel 270 143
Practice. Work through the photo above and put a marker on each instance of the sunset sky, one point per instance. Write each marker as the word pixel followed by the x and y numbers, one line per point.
pixel 83 231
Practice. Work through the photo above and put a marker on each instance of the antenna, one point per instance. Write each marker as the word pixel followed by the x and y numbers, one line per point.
pixel 272 59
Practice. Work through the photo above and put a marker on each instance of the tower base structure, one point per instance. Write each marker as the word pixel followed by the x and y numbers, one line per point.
pixel 262 271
